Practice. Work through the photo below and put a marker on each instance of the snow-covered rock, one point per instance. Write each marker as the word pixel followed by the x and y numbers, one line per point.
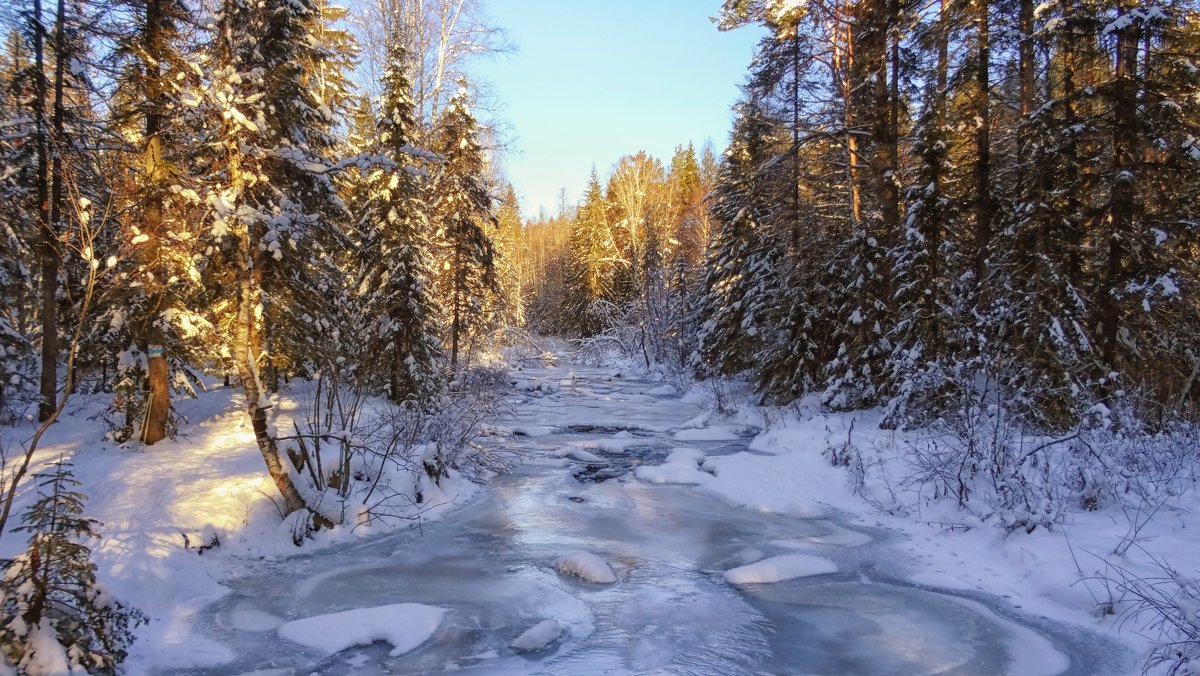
pixel 538 637
pixel 780 568
pixel 586 566
pixel 403 625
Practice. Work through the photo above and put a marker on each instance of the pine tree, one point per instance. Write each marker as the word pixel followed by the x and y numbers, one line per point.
pixel 508 251
pixel 148 316
pixel 18 223
pixel 729 334
pixel 593 259
pixel 59 618
pixel 924 259
pixel 464 209
pixel 400 308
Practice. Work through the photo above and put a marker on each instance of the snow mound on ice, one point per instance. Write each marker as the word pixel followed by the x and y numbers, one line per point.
pixel 538 636
pixel 403 625
pixel 707 434
pixel 671 473
pixel 780 568
pixel 587 566
pixel 682 466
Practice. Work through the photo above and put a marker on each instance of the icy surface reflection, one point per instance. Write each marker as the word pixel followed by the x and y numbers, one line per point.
pixel 671 611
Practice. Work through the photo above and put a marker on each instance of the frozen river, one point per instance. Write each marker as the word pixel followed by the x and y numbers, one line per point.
pixel 671 610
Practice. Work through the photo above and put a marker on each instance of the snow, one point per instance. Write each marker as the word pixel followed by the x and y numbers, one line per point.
pixel 403 625
pixel 780 568
pixel 682 466
pixel 780 485
pixel 586 566
pixel 538 637
pixel 922 586
pixel 715 433
pixel 248 618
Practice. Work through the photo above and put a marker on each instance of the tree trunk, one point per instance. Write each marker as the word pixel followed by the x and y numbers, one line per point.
pixel 983 152
pixel 852 160
pixel 796 138
pixel 1124 186
pixel 247 366
pixel 48 254
pixel 455 327
pixel 1025 69
pixel 158 407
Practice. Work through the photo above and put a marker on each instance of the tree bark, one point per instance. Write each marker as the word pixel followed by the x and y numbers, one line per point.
pixel 1025 69
pixel 247 366
pixel 1124 185
pixel 983 151
pixel 158 407
pixel 48 253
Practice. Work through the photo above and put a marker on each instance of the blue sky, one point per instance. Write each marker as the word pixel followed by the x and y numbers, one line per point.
pixel 593 80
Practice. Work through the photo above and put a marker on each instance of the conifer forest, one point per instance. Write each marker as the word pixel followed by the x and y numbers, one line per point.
pixel 898 372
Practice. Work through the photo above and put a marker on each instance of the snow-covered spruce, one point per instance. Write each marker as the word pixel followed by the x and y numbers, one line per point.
pixel 57 618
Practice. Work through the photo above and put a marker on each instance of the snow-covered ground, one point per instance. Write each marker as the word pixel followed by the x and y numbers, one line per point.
pixel 708 550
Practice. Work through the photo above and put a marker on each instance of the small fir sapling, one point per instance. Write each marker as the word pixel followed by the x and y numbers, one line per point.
pixel 58 618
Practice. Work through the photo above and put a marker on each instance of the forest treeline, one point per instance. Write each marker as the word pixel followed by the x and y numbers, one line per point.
pixel 920 201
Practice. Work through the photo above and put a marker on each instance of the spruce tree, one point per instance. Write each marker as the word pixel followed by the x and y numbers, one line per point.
pixel 400 309
pixel 59 619
pixel 593 259
pixel 464 210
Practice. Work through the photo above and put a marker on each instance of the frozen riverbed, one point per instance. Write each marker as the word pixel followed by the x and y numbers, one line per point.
pixel 840 606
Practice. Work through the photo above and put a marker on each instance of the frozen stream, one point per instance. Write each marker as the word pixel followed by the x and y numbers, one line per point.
pixel 671 611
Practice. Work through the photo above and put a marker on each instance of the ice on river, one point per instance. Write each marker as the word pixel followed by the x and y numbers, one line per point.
pixel 483 574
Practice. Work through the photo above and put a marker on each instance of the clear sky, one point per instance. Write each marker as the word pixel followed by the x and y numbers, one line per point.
pixel 593 80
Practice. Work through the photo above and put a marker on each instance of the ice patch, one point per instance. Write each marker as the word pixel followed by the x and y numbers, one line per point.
pixel 247 618
pixel 403 625
pixel 780 568
pixel 587 566
pixel 578 454
pixel 538 637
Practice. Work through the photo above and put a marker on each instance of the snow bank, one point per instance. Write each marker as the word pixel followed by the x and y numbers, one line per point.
pixel 773 485
pixel 403 625
pixel 538 637
pixel 587 566
pixel 682 466
pixel 671 473
pixel 780 568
